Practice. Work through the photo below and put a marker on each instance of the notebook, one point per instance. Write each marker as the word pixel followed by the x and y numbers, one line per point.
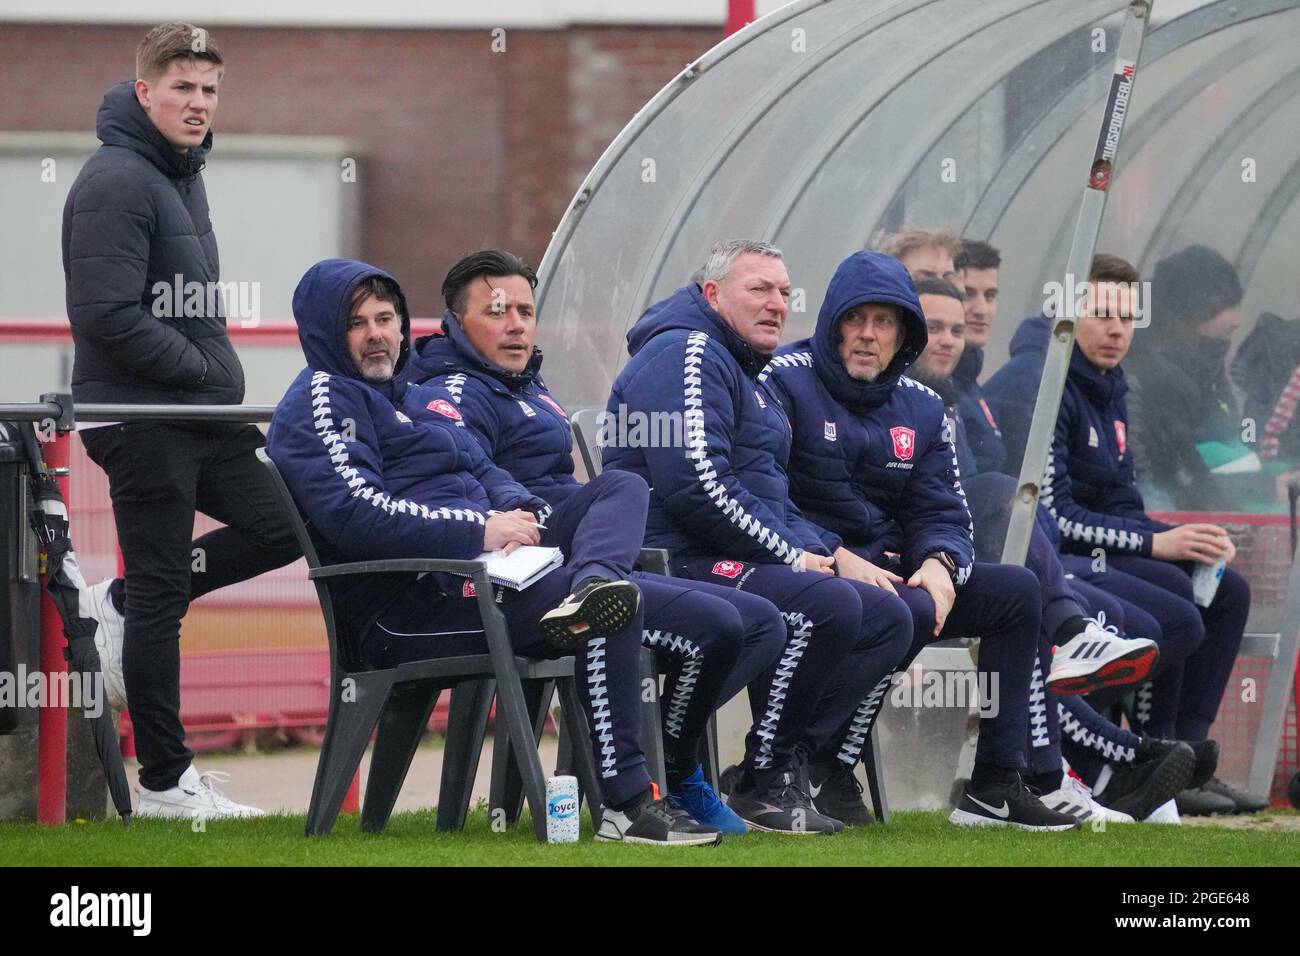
pixel 522 567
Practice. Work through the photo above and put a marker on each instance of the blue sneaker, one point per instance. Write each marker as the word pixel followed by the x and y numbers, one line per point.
pixel 697 798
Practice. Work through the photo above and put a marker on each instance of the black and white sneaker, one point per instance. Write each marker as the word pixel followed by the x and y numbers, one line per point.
pixel 1206 753
pixel 1009 804
pixel 655 822
pixel 597 607
pixel 837 793
pixel 780 807
pixel 1140 788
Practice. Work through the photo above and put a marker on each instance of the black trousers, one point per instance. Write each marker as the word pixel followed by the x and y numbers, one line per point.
pixel 159 474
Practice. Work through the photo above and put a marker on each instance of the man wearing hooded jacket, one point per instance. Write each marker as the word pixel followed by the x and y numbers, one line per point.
pixel 715 639
pixel 136 222
pixel 383 468
pixel 873 462
pixel 721 506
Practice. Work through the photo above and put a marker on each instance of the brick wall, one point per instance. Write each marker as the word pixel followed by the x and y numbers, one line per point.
pixel 462 147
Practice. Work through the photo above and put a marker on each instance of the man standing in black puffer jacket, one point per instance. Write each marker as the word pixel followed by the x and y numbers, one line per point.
pixel 143 296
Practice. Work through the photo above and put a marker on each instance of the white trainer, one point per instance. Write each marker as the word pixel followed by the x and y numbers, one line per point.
pixel 1074 797
pixel 1098 657
pixel 193 797
pixel 1165 813
pixel 108 641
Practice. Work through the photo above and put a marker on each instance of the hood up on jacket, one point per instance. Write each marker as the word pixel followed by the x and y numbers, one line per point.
pixel 861 278
pixel 451 351
pixel 686 309
pixel 1032 336
pixel 122 121
pixel 321 305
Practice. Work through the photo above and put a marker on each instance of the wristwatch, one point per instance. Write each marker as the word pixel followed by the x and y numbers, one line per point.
pixel 949 565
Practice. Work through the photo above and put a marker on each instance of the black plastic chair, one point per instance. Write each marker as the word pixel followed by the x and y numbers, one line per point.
pixel 395 703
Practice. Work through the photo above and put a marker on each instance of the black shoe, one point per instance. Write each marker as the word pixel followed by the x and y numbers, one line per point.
pixel 597 608
pixel 728 779
pixel 1139 788
pixel 1205 751
pixel 836 792
pixel 1200 802
pixel 780 807
pixel 656 822
pixel 1243 801
pixel 1009 804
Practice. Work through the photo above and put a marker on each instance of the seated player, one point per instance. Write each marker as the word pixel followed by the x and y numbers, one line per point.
pixel 1147 773
pixel 720 505
pixel 1090 489
pixel 384 469
pixel 873 464
pixel 712 637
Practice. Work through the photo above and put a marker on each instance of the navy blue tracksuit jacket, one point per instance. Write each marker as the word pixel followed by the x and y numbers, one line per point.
pixel 1089 486
pixel 515 418
pixel 373 480
pixel 869 455
pixel 977 420
pixel 728 494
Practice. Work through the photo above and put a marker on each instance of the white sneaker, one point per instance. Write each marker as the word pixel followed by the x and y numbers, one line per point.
pixel 1165 813
pixel 1074 797
pixel 108 641
pixel 193 797
pixel 1098 657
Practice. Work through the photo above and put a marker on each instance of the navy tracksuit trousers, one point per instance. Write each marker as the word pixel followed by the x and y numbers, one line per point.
pixel 705 636
pixel 1000 604
pixel 835 629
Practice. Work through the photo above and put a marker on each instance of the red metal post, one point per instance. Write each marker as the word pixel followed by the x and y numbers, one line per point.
pixel 52 735
pixel 739 12
pixel 352 802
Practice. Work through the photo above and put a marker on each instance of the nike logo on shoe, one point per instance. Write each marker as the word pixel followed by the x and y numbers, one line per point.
pixel 1002 812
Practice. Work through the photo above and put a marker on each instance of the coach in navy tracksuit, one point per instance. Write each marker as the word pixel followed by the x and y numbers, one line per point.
pixel 1090 489
pixel 721 506
pixel 385 469
pixel 716 639
pixel 871 452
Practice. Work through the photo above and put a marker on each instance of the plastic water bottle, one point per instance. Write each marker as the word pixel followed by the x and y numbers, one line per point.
pixel 562 810
pixel 1205 582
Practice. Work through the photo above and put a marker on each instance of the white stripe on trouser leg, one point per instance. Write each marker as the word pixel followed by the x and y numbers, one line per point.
pixel 1142 710
pixel 1081 735
pixel 863 719
pixel 1038 709
pixel 687 677
pixel 790 658
pixel 601 725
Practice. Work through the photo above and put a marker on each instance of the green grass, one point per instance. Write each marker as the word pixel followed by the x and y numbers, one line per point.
pixel 912 839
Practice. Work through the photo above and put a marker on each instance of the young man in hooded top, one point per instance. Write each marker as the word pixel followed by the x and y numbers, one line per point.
pixel 1146 773
pixel 385 469
pixel 715 639
pixel 721 506
pixel 873 463
pixel 1090 488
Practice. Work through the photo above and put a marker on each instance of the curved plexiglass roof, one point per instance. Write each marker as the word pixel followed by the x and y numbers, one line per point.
pixel 827 124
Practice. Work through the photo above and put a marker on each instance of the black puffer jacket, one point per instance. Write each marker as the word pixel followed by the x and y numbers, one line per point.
pixel 135 219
